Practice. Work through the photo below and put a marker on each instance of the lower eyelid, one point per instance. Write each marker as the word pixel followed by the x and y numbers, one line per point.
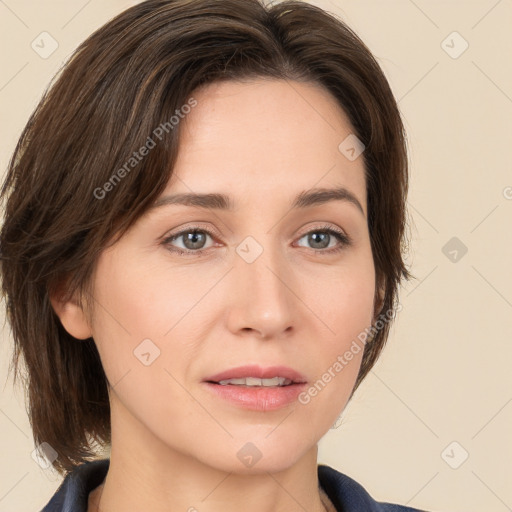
pixel 343 240
pixel 177 236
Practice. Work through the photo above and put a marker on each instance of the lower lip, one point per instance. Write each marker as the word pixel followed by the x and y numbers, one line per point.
pixel 258 398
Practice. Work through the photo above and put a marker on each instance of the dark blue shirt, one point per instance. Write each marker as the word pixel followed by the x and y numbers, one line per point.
pixel 346 494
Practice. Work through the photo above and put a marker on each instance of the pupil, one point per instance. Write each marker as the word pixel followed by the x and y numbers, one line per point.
pixel 323 236
pixel 192 237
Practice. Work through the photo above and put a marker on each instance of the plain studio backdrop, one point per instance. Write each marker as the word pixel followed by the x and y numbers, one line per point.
pixel 430 426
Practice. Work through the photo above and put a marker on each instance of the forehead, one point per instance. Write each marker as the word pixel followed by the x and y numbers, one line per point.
pixel 256 137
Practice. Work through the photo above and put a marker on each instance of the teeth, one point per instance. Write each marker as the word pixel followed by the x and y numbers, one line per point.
pixel 254 381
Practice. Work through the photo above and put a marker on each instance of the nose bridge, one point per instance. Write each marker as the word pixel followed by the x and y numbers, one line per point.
pixel 262 300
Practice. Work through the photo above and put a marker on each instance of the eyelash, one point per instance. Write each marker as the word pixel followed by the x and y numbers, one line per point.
pixel 343 239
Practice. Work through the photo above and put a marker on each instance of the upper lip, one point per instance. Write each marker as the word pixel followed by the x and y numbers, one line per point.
pixel 259 372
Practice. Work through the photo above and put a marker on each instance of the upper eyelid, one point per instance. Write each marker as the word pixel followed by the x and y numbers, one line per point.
pixel 209 231
pixel 212 233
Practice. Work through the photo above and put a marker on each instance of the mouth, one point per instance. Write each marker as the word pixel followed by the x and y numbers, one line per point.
pixel 254 381
pixel 254 375
pixel 256 388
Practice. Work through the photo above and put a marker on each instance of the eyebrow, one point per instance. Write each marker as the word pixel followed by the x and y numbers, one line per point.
pixel 304 199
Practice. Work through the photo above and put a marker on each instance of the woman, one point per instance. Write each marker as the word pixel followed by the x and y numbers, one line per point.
pixel 201 256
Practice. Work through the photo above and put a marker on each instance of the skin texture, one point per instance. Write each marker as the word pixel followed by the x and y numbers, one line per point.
pixel 174 444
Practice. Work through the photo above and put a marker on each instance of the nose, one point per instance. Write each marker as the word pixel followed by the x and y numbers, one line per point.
pixel 262 301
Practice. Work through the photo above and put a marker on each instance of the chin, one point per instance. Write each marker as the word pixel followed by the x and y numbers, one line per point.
pixel 259 455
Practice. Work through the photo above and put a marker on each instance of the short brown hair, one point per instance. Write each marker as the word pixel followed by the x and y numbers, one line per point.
pixel 129 77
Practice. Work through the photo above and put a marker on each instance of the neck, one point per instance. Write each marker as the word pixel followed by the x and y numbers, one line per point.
pixel 147 474
pixel 273 492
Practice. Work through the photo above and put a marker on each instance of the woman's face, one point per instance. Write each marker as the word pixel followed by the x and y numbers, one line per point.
pixel 263 284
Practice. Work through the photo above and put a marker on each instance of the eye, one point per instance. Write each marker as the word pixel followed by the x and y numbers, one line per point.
pixel 321 238
pixel 193 239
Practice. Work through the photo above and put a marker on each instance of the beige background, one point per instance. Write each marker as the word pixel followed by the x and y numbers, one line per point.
pixel 445 375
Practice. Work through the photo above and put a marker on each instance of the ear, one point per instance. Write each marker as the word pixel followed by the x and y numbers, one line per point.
pixel 71 315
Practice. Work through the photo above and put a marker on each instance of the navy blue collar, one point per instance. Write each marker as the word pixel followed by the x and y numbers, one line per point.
pixel 346 494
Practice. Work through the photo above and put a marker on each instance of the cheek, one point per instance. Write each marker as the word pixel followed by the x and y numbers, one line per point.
pixel 344 304
pixel 137 299
pixel 342 297
pixel 147 297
